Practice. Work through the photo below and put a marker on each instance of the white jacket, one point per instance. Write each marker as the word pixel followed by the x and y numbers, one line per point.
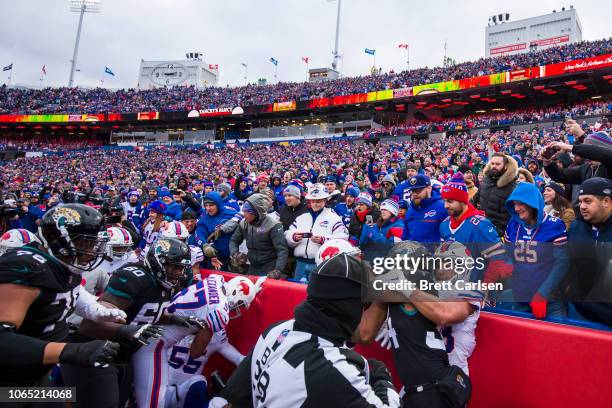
pixel 328 224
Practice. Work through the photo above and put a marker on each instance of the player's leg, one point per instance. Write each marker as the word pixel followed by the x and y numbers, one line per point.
pixel 151 374
pixel 193 393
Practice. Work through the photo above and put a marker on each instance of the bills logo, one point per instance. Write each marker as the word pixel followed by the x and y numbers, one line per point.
pixel 430 214
pixel 329 253
pixel 324 223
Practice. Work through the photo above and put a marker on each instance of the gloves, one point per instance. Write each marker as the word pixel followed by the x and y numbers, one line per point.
pixel 187 321
pixel 98 313
pixel 139 335
pixel 209 250
pixel 497 270
pixel 538 306
pixel 383 336
pixel 96 353
pixel 214 236
pixel 274 274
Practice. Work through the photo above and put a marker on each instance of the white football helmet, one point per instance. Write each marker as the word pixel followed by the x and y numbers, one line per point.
pixel 240 292
pixel 453 261
pixel 335 247
pixel 176 230
pixel 16 238
pixel 119 243
pixel 317 192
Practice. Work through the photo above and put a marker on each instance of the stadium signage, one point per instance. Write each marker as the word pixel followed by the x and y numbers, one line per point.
pixel 601 61
pixel 551 41
pixel 148 116
pixel 209 112
pixel 284 106
pixel 508 48
pixel 402 93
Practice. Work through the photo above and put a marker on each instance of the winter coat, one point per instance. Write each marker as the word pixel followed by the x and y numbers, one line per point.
pixel 326 223
pixel 207 224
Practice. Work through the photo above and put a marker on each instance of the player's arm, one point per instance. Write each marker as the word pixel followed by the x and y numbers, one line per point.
pixel 440 312
pixel 199 343
pixel 105 330
pixel 371 321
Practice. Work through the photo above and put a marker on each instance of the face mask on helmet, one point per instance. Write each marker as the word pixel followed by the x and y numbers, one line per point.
pixel 168 260
pixel 119 244
pixel 240 292
pixel 73 234
pixel 452 261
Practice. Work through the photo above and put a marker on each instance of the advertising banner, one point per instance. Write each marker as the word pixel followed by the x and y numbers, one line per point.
pixel 551 41
pixel 209 112
pixel 402 92
pixel 284 106
pixel 147 116
pixel 601 61
pixel 508 48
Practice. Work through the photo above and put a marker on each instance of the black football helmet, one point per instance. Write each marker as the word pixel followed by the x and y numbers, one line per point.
pixel 167 260
pixel 75 235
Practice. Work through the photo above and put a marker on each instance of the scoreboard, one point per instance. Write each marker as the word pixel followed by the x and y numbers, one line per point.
pixel 190 72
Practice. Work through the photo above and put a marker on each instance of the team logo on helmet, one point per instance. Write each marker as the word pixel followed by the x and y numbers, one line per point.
pixel 329 252
pixel 66 216
pixel 245 288
pixel 413 181
pixel 162 246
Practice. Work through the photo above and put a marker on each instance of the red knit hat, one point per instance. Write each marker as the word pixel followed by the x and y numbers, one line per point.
pixel 263 176
pixel 456 189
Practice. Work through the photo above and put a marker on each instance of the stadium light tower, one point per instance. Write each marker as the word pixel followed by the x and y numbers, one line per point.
pixel 335 53
pixel 80 6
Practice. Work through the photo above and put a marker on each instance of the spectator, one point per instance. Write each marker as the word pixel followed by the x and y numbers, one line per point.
pixel 557 205
pixel 525 176
pixel 29 214
pixel 345 209
pixel 425 213
pixel 387 230
pixel 468 176
pixel 365 213
pixel 225 190
pixel 538 249
pixel 265 241
pixel 590 246
pixel 212 219
pixel 311 229
pixel 499 180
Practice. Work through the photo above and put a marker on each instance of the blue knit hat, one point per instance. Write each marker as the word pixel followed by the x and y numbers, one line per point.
pixel 364 198
pixel 352 191
pixel 158 207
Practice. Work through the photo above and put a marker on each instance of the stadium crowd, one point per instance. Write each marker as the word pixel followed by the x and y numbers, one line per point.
pixel 99 100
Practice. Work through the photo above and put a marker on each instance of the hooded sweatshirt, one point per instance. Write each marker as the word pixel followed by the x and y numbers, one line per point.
pixel 207 224
pixel 538 252
pixel 422 223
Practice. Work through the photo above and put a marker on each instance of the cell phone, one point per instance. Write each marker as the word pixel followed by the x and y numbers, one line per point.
pixel 369 219
pixel 549 152
pixel 307 235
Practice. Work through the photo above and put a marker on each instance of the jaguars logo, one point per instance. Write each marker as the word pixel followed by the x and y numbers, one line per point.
pixel 64 216
pixel 413 181
pixel 162 246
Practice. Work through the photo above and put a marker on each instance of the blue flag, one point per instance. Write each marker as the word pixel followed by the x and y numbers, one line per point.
pixel 369 51
pixel 8 67
pixel 108 71
pixel 272 60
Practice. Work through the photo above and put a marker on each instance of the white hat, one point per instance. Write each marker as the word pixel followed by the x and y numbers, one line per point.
pixel 391 206
pixel 317 192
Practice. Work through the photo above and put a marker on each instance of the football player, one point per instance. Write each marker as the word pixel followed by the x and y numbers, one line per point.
pixel 209 301
pixel 39 287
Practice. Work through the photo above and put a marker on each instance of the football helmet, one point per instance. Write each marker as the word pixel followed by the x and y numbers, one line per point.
pixel 240 292
pixel 119 243
pixel 175 229
pixel 451 262
pixel 75 235
pixel 335 247
pixel 167 260
pixel 16 238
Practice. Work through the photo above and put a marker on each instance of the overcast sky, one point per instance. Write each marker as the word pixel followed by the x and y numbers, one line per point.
pixel 34 33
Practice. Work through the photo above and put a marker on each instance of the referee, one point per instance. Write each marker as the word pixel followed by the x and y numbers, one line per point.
pixel 302 362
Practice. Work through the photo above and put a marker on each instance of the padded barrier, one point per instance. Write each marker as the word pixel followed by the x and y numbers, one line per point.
pixel 517 362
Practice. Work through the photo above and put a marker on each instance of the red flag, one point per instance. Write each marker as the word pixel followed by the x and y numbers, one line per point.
pixel 305 59
pixel 213 66
pixel 403 46
pixel 44 70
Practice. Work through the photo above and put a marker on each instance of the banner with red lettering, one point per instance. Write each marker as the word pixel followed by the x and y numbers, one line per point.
pixel 601 61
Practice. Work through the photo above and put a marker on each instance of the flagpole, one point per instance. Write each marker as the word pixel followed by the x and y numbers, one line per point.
pixel 407 57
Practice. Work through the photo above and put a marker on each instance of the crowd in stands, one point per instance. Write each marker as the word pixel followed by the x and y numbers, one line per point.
pixel 48 143
pixel 505 118
pixel 99 100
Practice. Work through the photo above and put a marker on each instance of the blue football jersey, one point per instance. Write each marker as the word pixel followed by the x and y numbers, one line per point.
pixel 532 254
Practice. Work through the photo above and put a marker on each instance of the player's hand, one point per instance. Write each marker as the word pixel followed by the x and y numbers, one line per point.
pixel 95 353
pixel 140 335
pixel 383 336
pixel 98 313
pixel 216 263
pixel 187 321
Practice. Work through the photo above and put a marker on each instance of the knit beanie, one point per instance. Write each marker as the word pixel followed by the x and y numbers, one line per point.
pixel 456 189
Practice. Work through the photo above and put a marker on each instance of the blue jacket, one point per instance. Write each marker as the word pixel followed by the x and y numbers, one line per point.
pixel 231 202
pixel 422 223
pixel 344 212
pixel 541 260
pixel 207 224
pixel 390 232
pixel 28 220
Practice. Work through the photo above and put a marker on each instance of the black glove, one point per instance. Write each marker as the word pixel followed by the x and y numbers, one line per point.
pixel 187 321
pixel 96 353
pixel 139 335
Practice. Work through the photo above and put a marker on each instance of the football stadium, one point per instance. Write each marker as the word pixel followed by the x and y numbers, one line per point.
pixel 192 217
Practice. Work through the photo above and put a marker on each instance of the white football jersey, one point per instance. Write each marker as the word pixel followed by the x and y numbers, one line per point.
pixel 461 337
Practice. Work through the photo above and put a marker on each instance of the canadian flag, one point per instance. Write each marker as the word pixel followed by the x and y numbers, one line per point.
pixel 213 66
pixel 403 46
pixel 305 59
